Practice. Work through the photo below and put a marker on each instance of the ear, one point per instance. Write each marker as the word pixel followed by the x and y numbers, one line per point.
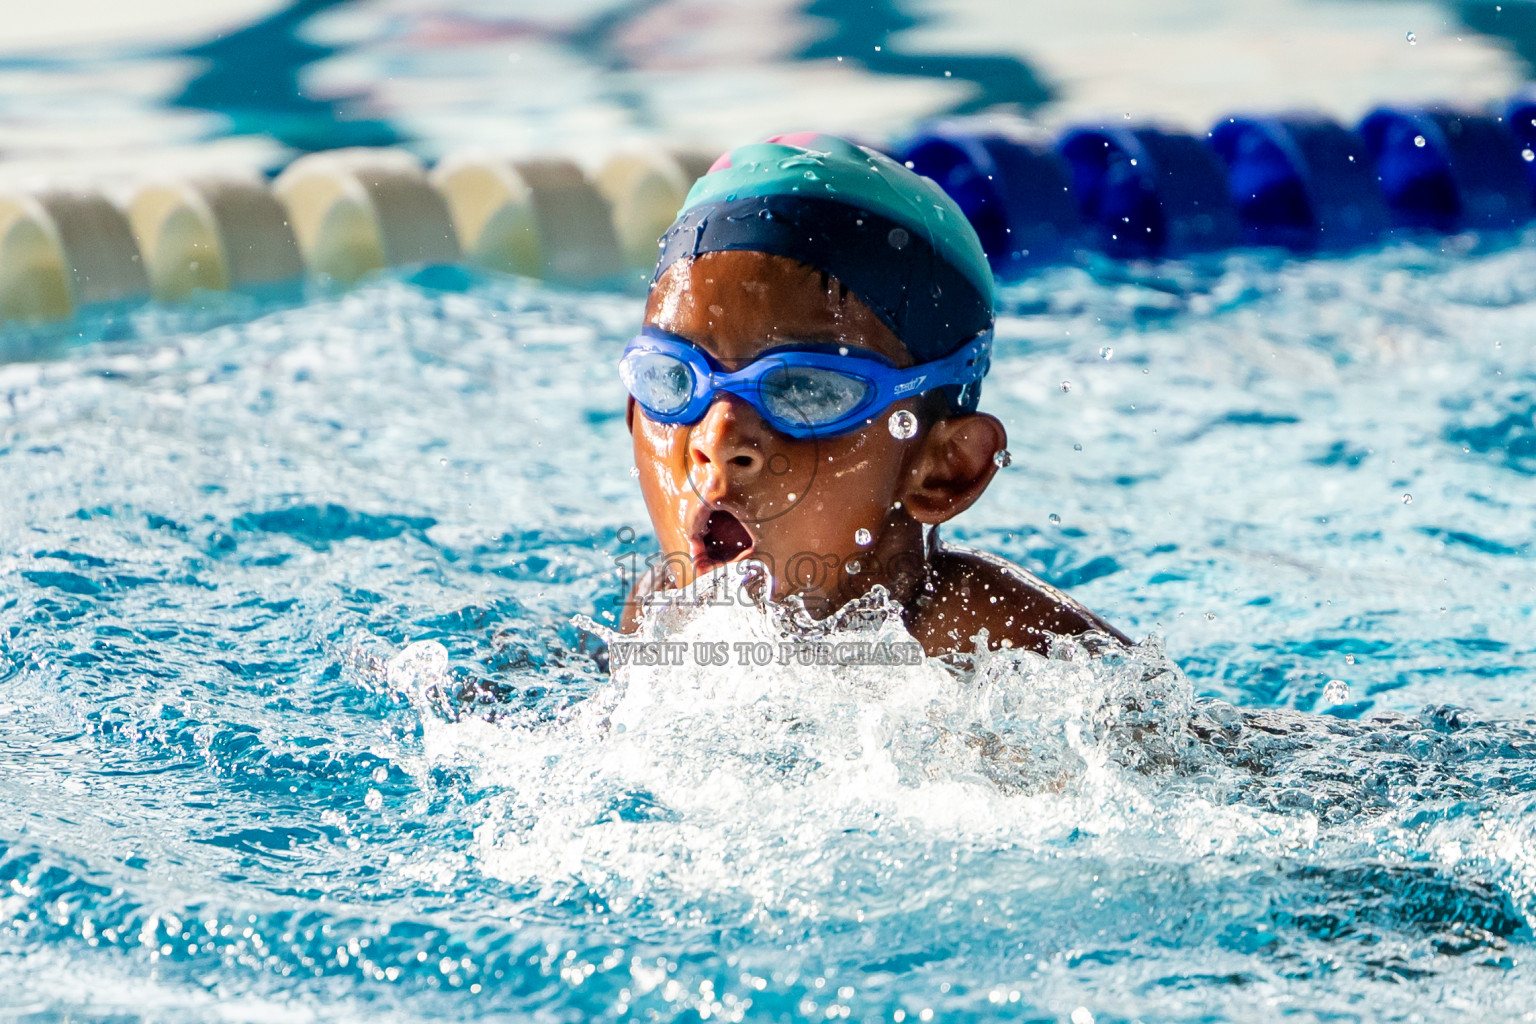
pixel 953 467
pixel 629 413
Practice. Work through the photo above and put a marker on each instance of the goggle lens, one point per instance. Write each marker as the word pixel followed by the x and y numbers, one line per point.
pixel 811 396
pixel 663 384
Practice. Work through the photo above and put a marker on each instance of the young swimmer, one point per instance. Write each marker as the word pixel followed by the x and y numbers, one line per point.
pixel 804 394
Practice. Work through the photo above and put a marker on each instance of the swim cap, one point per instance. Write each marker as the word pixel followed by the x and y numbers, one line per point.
pixel 891 236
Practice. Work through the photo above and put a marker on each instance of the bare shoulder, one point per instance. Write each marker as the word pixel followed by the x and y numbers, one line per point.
pixel 973 590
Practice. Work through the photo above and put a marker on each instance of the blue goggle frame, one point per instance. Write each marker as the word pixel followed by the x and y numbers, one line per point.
pixel 882 382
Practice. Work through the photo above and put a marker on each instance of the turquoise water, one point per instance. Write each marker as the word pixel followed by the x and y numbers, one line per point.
pixel 295 724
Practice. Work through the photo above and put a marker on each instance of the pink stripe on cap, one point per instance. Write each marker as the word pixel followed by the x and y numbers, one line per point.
pixel 801 139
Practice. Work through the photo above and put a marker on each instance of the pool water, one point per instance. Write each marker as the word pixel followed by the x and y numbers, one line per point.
pixel 296 724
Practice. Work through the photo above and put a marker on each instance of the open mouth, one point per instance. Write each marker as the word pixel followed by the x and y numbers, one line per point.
pixel 724 537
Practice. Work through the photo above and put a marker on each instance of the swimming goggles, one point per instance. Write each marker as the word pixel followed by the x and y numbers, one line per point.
pixel 802 391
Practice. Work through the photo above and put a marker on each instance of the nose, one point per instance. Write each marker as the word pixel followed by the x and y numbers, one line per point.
pixel 728 440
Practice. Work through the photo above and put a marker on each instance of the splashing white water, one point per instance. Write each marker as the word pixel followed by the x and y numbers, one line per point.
pixel 802 788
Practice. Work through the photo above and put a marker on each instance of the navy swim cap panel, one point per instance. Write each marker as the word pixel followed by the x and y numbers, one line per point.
pixel 929 304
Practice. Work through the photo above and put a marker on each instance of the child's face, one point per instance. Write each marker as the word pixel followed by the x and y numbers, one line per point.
pixel 730 486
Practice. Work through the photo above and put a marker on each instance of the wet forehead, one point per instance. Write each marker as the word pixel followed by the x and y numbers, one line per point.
pixel 736 305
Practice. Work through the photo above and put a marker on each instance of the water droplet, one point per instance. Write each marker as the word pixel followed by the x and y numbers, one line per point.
pixel 1413 39
pixel 1407 499
pixel 380 774
pixel 1077 447
pixel 1336 692
pixel 373 800
pixel 842 350
pixel 854 568
pixel 1002 458
pixel 1054 519
pixel 792 496
pixel 1527 155
pixel 1066 385
pixel 1081 1015
pixel 442 462
pixel 1127 115
pixel 902 425
pixel 898 238
pixel 634 472
pixel 863 538
pixel 1418 140
pixel 1349 659
pixel 1106 353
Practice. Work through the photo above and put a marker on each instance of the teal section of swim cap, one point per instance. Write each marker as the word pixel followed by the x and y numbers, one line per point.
pixel 833 168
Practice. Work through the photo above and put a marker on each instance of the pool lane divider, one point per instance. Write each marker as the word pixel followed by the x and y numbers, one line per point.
pixel 539 218
pixel 1299 182
pixel 1447 172
pixel 212 235
pixel 338 215
pixel 1150 193
pixel 355 211
pixel 59 250
pixel 1017 194
pixel 1303 183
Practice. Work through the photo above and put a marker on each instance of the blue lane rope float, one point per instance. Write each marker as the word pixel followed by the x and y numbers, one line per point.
pixel 1017 195
pixel 1298 182
pixel 1150 193
pixel 1302 183
pixel 1520 117
pixel 1447 171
